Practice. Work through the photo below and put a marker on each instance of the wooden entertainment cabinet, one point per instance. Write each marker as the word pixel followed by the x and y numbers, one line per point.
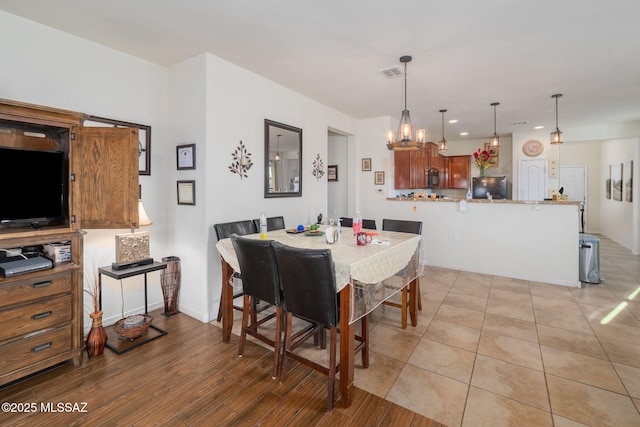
pixel 41 313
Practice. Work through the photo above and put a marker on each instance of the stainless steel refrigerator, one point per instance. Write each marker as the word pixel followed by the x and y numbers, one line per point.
pixel 495 185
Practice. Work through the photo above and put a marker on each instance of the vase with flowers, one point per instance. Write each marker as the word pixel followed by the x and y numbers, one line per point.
pixel 481 159
pixel 97 337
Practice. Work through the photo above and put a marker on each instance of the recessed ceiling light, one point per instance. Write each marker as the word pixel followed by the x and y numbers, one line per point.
pixel 464 133
pixel 538 127
pixel 453 121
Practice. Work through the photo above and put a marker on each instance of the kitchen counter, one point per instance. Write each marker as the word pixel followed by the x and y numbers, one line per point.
pixel 534 241
pixel 501 201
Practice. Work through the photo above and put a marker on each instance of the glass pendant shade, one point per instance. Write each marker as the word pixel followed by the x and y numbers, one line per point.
pixel 556 135
pixel 442 144
pixel 494 141
pixel 404 140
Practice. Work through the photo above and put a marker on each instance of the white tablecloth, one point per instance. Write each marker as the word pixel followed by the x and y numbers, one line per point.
pixel 375 272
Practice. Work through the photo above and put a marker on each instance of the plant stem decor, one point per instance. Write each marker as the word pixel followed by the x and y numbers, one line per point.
pixel 241 161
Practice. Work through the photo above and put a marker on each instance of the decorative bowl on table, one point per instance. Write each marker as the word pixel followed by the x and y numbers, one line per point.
pixel 132 327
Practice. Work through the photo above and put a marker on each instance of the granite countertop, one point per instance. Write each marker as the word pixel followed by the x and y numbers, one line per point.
pixel 502 201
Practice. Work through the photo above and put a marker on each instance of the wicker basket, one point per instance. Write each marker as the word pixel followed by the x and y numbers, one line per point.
pixel 135 332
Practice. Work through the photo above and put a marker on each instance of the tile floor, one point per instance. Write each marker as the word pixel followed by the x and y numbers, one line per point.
pixel 494 351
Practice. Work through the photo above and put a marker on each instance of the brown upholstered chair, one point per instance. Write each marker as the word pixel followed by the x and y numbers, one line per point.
pixel 414 227
pixel 308 281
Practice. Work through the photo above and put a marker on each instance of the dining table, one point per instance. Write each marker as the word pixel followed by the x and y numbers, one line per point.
pixel 365 277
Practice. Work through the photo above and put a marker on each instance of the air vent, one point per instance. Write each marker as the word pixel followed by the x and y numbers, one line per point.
pixel 522 122
pixel 391 72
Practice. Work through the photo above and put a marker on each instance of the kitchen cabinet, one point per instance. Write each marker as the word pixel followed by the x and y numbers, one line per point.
pixel 410 169
pixel 459 172
pixel 41 313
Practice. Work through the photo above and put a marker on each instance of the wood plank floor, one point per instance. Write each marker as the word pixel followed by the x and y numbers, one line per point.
pixel 190 378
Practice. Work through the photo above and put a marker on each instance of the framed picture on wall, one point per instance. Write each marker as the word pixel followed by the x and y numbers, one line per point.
pixel 607 184
pixel 616 181
pixel 378 178
pixel 332 173
pixel 366 164
pixel 628 181
pixel 186 156
pixel 186 193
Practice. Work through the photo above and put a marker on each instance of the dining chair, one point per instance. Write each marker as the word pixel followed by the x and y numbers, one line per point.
pixel 273 223
pixel 260 282
pixel 308 281
pixel 367 224
pixel 402 226
pixel 223 231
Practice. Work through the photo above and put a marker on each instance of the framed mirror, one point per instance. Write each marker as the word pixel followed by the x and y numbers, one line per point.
pixel 282 160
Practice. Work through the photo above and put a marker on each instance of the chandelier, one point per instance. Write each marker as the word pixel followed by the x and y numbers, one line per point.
pixel 556 135
pixel 404 140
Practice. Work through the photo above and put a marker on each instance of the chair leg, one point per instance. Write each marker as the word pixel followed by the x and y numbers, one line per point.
pixel 245 324
pixel 364 333
pixel 418 292
pixel 287 346
pixel 332 368
pixel 219 318
pixel 277 347
pixel 404 307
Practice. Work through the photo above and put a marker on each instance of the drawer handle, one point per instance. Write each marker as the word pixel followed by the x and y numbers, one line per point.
pixel 41 315
pixel 41 284
pixel 41 347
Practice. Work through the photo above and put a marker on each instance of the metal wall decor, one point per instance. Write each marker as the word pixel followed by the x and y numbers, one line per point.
pixel 241 161
pixel 318 167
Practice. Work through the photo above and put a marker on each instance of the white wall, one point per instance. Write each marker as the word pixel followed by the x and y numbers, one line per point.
pixel 617 217
pixel 48 67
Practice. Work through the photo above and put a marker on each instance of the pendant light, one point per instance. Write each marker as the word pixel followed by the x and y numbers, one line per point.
pixel 277 157
pixel 556 135
pixel 442 145
pixel 494 142
pixel 405 140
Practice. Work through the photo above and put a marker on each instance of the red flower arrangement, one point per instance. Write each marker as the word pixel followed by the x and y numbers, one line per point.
pixel 481 158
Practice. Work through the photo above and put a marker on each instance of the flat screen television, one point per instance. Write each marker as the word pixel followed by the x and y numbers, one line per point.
pixel 32 187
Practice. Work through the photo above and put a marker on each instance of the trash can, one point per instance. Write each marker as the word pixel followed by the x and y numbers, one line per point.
pixel 589 259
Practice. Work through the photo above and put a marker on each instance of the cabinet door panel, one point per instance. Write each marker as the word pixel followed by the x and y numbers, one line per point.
pixel 460 172
pixel 402 169
pixel 105 190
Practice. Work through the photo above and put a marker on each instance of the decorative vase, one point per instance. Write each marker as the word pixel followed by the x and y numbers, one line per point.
pixel 97 338
pixel 481 170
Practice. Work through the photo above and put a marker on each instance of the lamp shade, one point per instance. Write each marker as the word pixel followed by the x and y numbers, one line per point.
pixel 143 218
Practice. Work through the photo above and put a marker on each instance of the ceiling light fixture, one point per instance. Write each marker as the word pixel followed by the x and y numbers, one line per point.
pixel 405 140
pixel 442 145
pixel 556 135
pixel 277 157
pixel 494 142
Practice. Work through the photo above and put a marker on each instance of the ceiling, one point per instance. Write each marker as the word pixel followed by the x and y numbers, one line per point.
pixel 466 53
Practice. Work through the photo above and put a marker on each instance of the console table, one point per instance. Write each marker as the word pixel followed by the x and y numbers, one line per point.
pixel 123 346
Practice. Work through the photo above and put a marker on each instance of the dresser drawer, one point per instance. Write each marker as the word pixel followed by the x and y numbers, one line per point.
pixel 36 287
pixel 34 317
pixel 18 354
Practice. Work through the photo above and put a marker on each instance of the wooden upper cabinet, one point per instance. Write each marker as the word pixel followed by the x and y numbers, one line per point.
pixel 459 172
pixel 103 171
pixel 409 169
